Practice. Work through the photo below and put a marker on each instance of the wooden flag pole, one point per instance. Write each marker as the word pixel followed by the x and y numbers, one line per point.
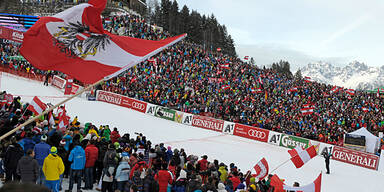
pixel 281 165
pixel 50 109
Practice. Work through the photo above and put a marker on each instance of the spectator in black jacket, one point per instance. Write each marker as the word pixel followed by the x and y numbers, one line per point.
pixel 12 156
pixel 28 168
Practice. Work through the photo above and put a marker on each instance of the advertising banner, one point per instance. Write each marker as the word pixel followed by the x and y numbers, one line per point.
pixel 187 119
pixel 75 88
pixel 151 109
pixel 208 123
pixel 229 127
pixel 58 82
pixel 165 113
pixel 358 158
pixel 251 132
pixel 274 138
pixel 121 101
pixel 291 142
pixel 321 147
pixel 179 116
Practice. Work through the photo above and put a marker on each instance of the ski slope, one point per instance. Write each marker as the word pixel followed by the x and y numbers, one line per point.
pixel 226 148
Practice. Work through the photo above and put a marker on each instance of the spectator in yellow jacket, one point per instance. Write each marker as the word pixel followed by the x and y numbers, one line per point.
pixel 53 167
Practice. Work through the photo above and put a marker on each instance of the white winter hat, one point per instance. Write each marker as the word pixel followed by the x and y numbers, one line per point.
pixel 43 138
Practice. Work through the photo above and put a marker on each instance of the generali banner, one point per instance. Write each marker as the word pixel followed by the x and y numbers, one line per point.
pixel 251 132
pixel 121 101
pixel 58 82
pixel 11 34
pixel 358 158
pixel 208 123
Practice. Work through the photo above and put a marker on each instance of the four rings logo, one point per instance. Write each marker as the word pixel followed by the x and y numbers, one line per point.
pixel 138 106
pixel 257 134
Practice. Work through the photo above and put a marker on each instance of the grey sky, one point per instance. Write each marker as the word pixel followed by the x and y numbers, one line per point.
pixel 301 31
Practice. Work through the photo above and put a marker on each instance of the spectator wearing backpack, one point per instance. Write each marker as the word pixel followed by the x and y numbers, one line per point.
pixel 109 169
pixel 77 157
pixel 164 178
pixel 150 184
pixel 122 173
pixel 137 181
pixel 181 182
pixel 140 166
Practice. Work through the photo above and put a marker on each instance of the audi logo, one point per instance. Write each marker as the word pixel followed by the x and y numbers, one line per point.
pixel 256 134
pixel 138 105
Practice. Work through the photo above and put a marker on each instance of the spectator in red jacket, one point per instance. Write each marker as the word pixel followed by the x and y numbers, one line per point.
pixel 164 177
pixel 91 155
pixel 115 135
pixel 235 180
pixel 139 166
pixel 202 166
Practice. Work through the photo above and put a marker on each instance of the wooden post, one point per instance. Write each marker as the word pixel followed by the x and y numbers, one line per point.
pixel 50 109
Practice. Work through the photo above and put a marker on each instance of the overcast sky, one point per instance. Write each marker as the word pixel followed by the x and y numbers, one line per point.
pixel 301 31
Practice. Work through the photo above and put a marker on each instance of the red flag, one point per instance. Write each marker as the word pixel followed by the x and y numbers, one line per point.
pixel 63 122
pixel 335 89
pixel 51 120
pixel 277 183
pixel 308 79
pixel 261 169
pixel 350 91
pixel 226 87
pixel 294 89
pixel 36 106
pixel 299 156
pixel 75 43
pixel 225 66
pixel 307 109
pixel 246 57
pixel 313 187
pixel 365 109
pixel 257 90
pixel 260 81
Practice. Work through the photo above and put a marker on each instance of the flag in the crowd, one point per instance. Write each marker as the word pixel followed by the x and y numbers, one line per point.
pixel 74 42
pixel 299 156
pixel 307 109
pixel 277 183
pixel 350 91
pixel 225 87
pixel 260 81
pixel 293 89
pixel 335 89
pixel 246 57
pixel 261 169
pixel 51 119
pixel 225 66
pixel 307 79
pixel 218 49
pixel 365 109
pixel 60 111
pixel 256 90
pixel 36 106
pixel 315 186
pixel 63 122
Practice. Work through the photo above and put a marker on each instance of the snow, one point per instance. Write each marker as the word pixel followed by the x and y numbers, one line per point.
pixel 243 152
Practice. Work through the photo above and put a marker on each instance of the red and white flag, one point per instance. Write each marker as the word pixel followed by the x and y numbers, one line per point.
pixel 307 79
pixel 246 57
pixel 307 109
pixel 365 109
pixel 74 42
pixel 260 81
pixel 315 186
pixel 256 90
pixel 63 122
pixel 294 89
pixel 37 106
pixel 299 156
pixel 226 87
pixel 334 89
pixel 350 91
pixel 225 66
pixel 261 169
pixel 51 120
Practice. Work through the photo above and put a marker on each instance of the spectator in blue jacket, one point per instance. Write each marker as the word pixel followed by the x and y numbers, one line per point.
pixel 28 143
pixel 77 157
pixel 42 150
pixel 122 173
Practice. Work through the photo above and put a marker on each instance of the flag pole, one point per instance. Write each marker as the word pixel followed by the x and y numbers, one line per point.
pixel 282 164
pixel 50 109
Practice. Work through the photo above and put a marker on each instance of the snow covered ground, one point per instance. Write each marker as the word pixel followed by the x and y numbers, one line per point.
pixel 226 148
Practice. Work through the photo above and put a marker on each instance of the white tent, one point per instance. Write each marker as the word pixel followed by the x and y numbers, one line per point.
pixel 370 139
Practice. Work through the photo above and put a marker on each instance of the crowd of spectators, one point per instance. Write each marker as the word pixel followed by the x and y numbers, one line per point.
pixel 41 153
pixel 192 79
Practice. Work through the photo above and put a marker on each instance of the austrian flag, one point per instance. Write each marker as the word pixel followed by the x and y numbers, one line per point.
pixel 299 156
pixel 315 186
pixel 225 66
pixel 74 42
pixel 307 109
pixel 37 106
pixel 350 91
pixel 261 169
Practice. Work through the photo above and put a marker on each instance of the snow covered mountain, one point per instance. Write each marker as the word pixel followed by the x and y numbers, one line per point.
pixel 355 75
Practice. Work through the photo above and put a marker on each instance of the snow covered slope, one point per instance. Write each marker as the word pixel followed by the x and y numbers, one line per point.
pixel 355 75
pixel 227 148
